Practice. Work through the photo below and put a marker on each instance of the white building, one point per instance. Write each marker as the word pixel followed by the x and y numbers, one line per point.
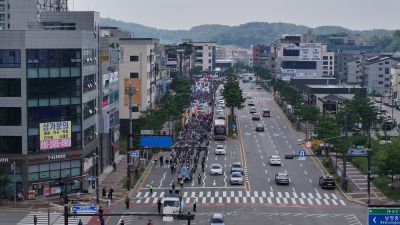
pixel 137 68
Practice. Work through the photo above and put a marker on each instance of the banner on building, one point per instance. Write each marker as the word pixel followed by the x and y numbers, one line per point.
pixel 55 135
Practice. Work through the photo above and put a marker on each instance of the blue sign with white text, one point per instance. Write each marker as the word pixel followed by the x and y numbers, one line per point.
pixel 164 141
pixel 84 208
pixel 381 219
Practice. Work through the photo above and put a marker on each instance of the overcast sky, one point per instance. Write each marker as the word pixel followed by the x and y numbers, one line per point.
pixel 184 14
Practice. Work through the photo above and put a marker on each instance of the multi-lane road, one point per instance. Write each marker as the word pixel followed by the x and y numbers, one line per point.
pixel 259 200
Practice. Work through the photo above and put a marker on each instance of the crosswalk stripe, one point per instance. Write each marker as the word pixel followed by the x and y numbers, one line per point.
pixel 334 196
pixel 326 202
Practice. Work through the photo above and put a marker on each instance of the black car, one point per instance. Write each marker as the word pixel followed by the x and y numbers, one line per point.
pixel 327 181
pixel 259 127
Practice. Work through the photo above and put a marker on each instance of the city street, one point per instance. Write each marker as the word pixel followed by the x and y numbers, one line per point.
pixel 259 199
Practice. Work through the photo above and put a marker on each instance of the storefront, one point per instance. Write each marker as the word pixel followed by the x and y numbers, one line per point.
pixel 47 176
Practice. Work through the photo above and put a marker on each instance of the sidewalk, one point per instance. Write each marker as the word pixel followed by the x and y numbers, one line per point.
pixel 359 185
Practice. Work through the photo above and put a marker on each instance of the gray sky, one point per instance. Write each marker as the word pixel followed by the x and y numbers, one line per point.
pixel 184 14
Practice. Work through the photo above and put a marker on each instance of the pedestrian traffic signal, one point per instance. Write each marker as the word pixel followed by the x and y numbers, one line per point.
pixel 291 157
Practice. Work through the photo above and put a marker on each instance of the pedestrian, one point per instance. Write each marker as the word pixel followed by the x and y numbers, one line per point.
pixel 110 193
pixel 159 206
pixel 103 192
pixel 127 202
pixel 194 204
pixel 108 203
pixel 150 222
pixel 34 219
pixel 114 165
pixel 122 222
pixel 80 222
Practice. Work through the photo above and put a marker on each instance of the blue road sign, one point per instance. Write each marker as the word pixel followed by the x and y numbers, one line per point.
pixel 302 153
pixel 84 208
pixel 353 151
pixel 134 154
pixel 392 219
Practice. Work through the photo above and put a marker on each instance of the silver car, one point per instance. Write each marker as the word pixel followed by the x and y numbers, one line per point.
pixel 236 178
pixel 217 219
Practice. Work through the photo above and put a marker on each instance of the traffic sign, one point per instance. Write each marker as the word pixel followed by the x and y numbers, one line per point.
pixel 302 155
pixel 84 208
pixel 384 216
pixel 353 151
pixel 308 144
pixel 134 154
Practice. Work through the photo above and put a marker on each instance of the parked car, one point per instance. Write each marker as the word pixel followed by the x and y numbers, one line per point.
pixel 282 178
pixel 327 181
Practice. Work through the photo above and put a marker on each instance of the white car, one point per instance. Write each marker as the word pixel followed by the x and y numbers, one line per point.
pixel 220 150
pixel 216 169
pixel 275 160
pixel 236 178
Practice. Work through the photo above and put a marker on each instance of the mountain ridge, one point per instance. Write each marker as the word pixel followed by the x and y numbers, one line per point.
pixel 243 35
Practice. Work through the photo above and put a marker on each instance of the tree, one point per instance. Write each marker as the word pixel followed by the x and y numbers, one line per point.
pixel 309 113
pixel 233 94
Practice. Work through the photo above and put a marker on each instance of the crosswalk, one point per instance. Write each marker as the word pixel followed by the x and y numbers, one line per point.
pixel 56 218
pixel 250 197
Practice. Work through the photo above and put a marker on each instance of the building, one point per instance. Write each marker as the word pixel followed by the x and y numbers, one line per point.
pixel 395 81
pixel 301 59
pixel 50 101
pixel 138 68
pixel 205 54
pixel 19 14
pixel 109 94
pixel 264 56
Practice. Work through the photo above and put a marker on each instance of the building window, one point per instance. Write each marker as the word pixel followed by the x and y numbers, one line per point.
pixel 89 83
pixel 89 134
pixel 134 75
pixel 10 87
pixel 89 109
pixel 134 58
pixel 10 116
pixel 10 58
pixel 10 145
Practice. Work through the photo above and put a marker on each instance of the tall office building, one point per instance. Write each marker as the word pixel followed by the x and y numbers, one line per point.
pixel 49 97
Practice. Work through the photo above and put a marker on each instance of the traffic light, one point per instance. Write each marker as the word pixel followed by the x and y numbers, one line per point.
pixel 291 157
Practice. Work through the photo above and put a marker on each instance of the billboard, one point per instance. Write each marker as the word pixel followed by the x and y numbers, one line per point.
pixel 310 52
pixel 161 141
pixel 136 84
pixel 55 135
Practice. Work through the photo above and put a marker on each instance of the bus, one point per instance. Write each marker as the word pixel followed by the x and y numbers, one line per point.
pixel 219 129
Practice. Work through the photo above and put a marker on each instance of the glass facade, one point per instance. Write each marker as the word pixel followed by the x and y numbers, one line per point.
pixel 54 90
pixel 10 58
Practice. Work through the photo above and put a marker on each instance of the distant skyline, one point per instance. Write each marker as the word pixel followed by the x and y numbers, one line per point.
pixel 185 14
